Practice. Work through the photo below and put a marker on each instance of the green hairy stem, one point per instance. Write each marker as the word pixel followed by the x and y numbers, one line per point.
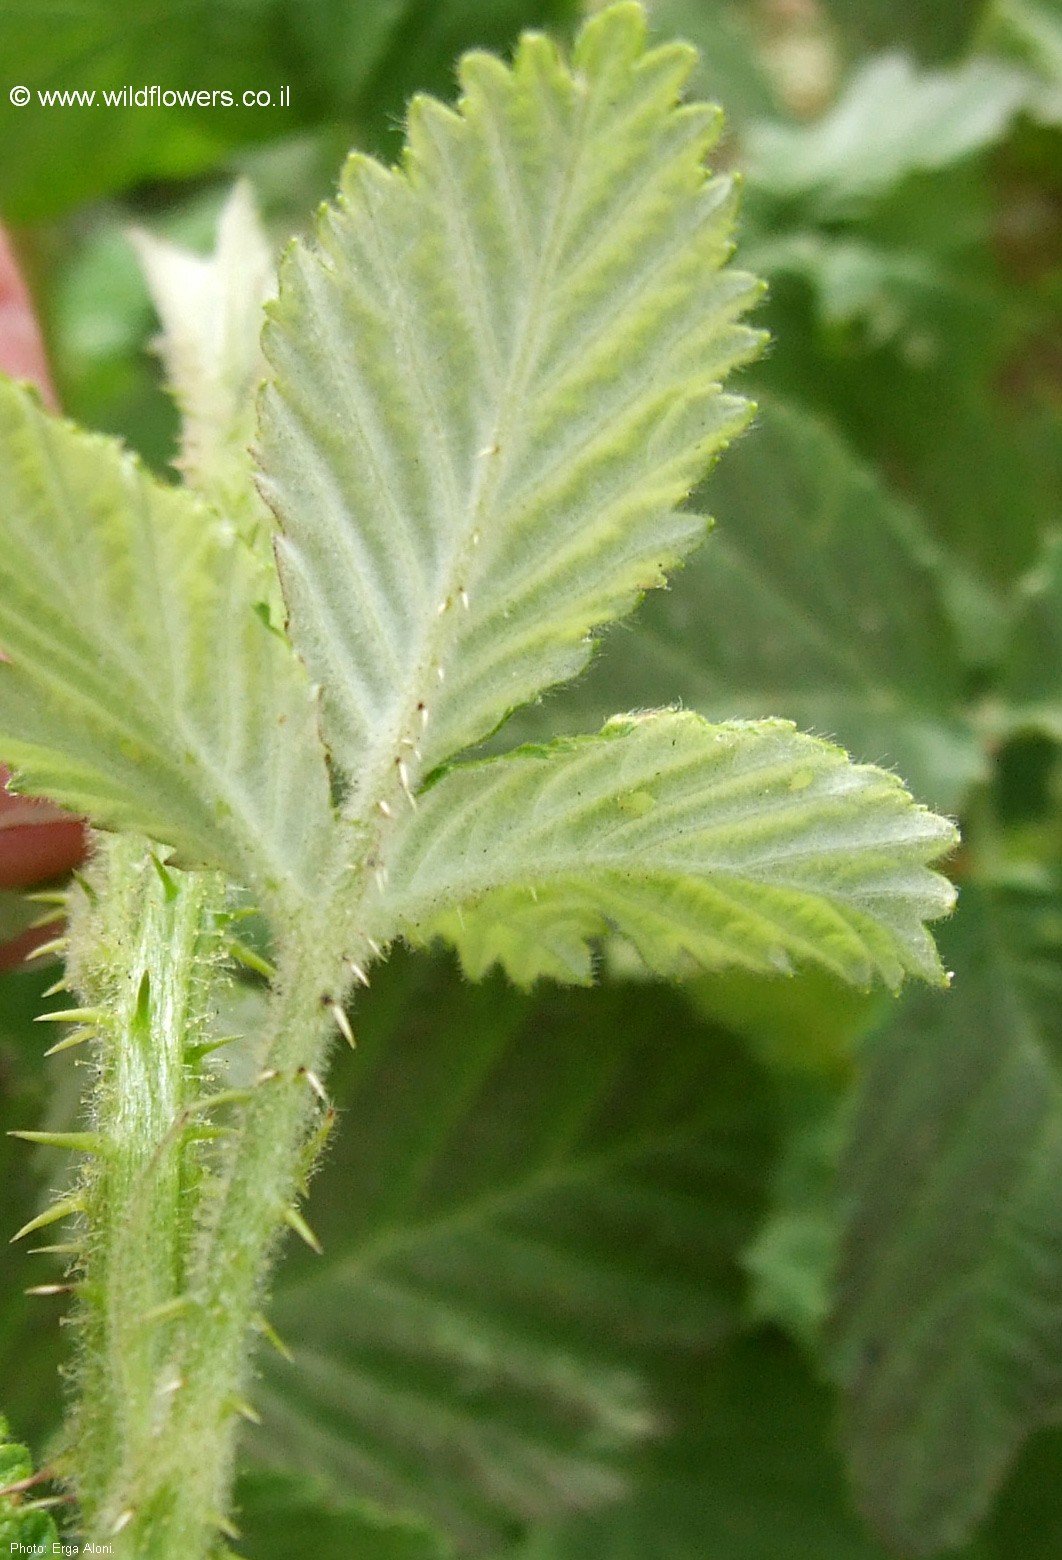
pixel 189 1183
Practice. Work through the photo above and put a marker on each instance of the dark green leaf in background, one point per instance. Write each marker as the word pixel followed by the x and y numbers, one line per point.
pixel 353 63
pixel 532 1205
pixel 948 1324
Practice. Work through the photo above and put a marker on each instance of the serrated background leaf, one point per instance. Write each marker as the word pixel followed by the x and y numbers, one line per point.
pixel 750 1475
pixel 745 845
pixel 496 373
pixel 948 1324
pixel 143 688
pixel 551 1197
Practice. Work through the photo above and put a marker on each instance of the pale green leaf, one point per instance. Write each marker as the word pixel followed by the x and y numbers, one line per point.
pixel 893 120
pixel 948 1328
pixel 211 313
pixel 550 1206
pixel 1031 30
pixel 819 597
pixel 496 373
pixel 746 844
pixel 141 686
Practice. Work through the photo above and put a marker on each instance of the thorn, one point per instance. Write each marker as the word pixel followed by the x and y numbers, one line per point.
pixel 53 991
pixel 385 808
pixel 229 1529
pixel 311 1149
pixel 267 1076
pixel 375 946
pixel 422 711
pixel 356 969
pixel 49 918
pixel 533 891
pixel 253 961
pixel 380 878
pixel 464 598
pixel 46 949
pixel 61 1250
pixel 295 1221
pixel 169 887
pixel 245 1411
pixel 403 776
pixel 78 1037
pixel 51 1215
pixel 440 672
pixel 98 1017
pixel 343 1025
pixel 39 1291
pixel 123 1521
pixel 441 608
pixel 270 1334
pixel 195 1053
pixel 86 887
pixel 476 538
pixel 47 1503
pixel 174 1384
pixel 49 896
pixel 316 1085
pixel 77 1142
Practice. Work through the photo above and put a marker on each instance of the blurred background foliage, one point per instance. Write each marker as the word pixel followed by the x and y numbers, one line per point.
pixel 749 1270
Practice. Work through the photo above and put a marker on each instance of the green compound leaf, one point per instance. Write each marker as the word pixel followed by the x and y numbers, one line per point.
pixel 746 844
pixel 141 686
pixel 496 376
pixel 948 1327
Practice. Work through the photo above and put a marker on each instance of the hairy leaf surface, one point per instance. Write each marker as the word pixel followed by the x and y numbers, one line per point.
pixel 819 597
pixel 743 844
pixel 949 1319
pixel 496 375
pixel 141 685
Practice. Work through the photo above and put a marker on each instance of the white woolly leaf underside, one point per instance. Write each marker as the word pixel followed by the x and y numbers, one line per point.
pixel 496 376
